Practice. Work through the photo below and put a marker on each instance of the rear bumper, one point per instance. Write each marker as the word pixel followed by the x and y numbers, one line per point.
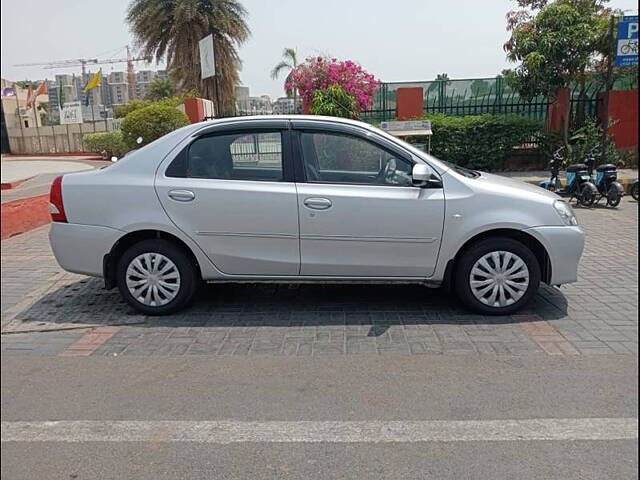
pixel 564 246
pixel 81 248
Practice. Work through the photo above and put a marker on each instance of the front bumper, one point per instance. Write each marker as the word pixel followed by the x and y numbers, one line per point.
pixel 81 248
pixel 565 246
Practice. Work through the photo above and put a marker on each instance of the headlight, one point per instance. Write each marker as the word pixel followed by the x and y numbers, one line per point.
pixel 566 212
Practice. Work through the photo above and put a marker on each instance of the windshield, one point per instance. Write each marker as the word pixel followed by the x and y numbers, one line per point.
pixel 467 172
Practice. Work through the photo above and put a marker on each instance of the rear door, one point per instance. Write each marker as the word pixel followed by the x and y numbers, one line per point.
pixel 232 192
pixel 360 215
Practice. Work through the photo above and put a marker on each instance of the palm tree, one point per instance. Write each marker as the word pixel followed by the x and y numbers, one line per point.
pixel 289 61
pixel 171 29
pixel 160 88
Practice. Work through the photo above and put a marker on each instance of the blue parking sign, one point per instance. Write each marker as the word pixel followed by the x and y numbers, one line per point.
pixel 627 44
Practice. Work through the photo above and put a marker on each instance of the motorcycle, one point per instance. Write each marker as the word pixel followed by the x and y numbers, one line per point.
pixel 634 189
pixel 578 184
pixel 606 180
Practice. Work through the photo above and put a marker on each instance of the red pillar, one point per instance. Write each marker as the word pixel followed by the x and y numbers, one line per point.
pixel 623 117
pixel 194 109
pixel 558 110
pixel 409 103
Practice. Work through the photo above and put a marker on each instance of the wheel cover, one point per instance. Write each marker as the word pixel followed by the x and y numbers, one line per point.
pixel 153 279
pixel 499 279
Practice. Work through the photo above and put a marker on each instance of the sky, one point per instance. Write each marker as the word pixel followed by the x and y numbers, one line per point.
pixel 396 40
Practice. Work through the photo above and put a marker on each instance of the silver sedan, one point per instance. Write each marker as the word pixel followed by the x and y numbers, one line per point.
pixel 307 199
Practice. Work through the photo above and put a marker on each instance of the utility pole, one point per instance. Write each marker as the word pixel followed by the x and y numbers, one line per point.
pixel 607 88
pixel 131 75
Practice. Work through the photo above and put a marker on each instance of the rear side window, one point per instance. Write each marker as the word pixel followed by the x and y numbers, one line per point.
pixel 234 156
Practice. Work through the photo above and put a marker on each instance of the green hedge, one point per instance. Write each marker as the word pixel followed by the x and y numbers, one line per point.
pixel 151 123
pixel 109 143
pixel 479 141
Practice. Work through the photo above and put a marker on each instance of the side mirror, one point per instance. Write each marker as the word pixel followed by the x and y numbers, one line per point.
pixel 114 159
pixel 423 176
pixel 139 140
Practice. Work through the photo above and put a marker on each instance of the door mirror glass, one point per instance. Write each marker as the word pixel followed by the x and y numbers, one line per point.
pixel 421 174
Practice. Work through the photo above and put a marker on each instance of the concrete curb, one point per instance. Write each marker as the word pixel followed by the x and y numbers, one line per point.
pixel 10 185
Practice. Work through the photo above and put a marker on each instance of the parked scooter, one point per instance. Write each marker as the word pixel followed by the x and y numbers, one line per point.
pixel 606 180
pixel 578 185
pixel 634 189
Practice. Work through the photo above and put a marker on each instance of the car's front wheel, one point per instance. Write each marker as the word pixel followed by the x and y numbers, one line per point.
pixel 497 276
pixel 156 277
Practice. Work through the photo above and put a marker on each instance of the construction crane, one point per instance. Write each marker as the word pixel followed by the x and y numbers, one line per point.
pixel 83 62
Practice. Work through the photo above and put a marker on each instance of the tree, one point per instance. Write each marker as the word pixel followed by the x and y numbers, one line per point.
pixel 333 101
pixel 479 87
pixel 319 73
pixel 439 80
pixel 160 88
pixel 171 29
pixel 555 43
pixel 289 62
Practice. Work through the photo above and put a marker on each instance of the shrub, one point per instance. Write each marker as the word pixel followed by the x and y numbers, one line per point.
pixel 480 141
pixel 121 111
pixel 151 123
pixel 318 73
pixel 109 142
pixel 333 101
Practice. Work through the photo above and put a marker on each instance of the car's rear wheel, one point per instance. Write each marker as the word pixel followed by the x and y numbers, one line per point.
pixel 156 277
pixel 497 276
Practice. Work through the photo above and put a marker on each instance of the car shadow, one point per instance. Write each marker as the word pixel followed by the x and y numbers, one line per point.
pixel 86 302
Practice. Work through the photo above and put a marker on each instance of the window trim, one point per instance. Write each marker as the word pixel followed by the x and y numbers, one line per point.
pixel 287 164
pixel 301 164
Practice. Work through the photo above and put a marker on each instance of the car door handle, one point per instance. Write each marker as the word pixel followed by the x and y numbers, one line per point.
pixel 317 203
pixel 182 195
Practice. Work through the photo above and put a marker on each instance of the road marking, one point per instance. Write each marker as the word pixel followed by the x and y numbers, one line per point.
pixel 226 432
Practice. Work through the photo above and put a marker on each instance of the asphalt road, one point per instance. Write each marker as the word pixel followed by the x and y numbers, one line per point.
pixel 284 394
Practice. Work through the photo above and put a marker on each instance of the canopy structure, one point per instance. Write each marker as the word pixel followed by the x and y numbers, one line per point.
pixel 409 129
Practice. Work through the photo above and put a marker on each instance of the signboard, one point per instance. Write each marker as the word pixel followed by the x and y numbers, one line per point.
pixel 207 59
pixel 627 44
pixel 404 129
pixel 71 113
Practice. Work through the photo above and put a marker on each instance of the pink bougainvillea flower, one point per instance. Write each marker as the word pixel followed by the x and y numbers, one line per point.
pixel 320 72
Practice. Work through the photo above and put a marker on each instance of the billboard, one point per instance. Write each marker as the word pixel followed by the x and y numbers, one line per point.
pixel 71 113
pixel 207 58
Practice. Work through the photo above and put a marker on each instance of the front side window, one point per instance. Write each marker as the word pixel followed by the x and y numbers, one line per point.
pixel 339 158
pixel 237 156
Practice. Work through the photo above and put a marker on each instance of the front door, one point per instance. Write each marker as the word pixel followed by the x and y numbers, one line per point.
pixel 229 192
pixel 360 215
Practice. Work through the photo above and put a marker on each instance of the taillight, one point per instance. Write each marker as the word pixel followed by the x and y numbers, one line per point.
pixel 56 206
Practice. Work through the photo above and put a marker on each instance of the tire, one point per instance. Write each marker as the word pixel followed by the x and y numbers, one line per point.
pixel 634 191
pixel 508 250
pixel 588 193
pixel 613 196
pixel 174 288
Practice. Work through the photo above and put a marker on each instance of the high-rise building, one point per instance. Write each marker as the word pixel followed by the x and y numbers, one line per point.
pixel 119 88
pixel 143 81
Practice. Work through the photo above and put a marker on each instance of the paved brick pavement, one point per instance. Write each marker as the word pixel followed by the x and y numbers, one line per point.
pixel 594 316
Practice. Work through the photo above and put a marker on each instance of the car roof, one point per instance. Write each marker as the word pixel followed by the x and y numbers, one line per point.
pixel 293 117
